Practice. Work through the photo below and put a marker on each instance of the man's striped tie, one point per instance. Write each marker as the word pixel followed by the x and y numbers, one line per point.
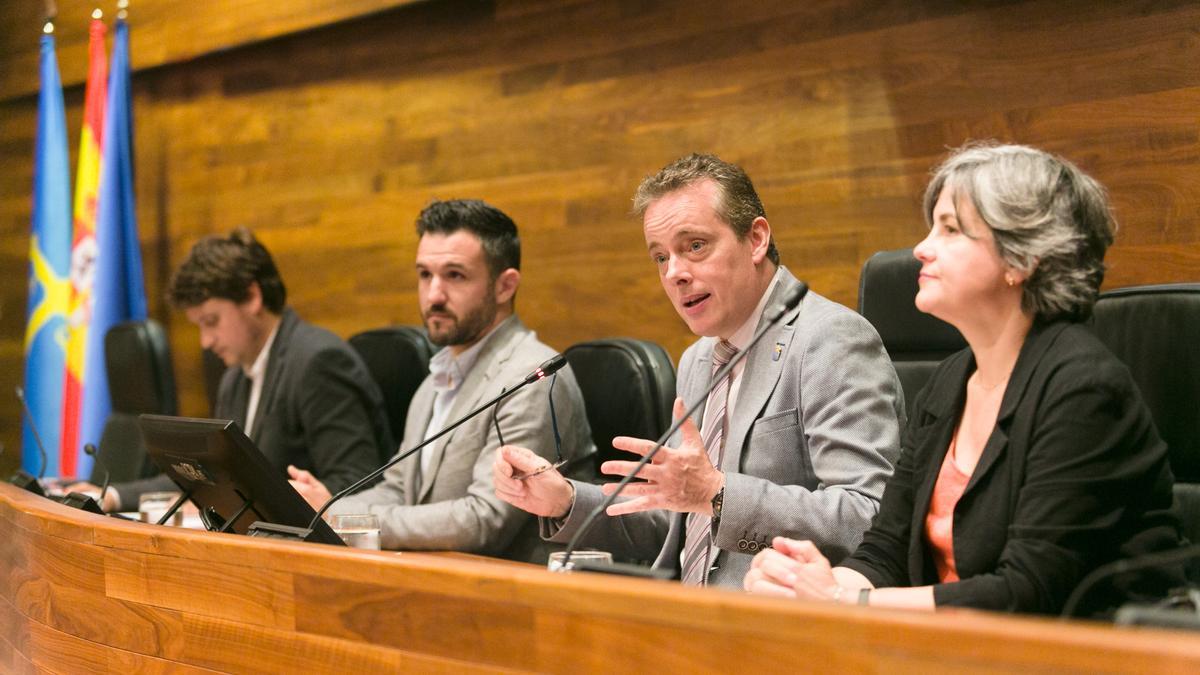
pixel 697 543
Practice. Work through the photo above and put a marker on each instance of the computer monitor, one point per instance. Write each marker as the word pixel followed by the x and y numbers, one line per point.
pixel 226 477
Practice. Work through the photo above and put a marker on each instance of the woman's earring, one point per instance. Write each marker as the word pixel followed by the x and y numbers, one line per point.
pixel 1009 280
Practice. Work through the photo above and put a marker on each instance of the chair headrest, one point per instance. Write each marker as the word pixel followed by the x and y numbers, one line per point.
pixel 214 369
pixel 397 357
pixel 887 288
pixel 1155 331
pixel 141 378
pixel 628 387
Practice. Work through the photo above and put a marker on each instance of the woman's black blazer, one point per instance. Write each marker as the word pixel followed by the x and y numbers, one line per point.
pixel 1074 475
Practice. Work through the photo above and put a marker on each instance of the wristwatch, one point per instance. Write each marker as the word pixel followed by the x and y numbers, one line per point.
pixel 717 500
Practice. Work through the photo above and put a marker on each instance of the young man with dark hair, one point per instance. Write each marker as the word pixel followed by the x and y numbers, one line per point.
pixel 468 271
pixel 298 391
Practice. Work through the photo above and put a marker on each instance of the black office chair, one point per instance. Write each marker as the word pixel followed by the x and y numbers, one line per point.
pixel 398 359
pixel 628 388
pixel 140 380
pixel 1155 330
pixel 915 341
pixel 214 369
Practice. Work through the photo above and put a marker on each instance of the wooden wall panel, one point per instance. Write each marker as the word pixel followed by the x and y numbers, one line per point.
pixel 329 142
pixel 169 31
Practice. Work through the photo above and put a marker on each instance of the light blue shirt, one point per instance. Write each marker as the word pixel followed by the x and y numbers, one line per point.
pixel 449 372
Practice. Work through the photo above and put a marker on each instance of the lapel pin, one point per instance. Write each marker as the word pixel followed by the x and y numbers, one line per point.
pixel 778 351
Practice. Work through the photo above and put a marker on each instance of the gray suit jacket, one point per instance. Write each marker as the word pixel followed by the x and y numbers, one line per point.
pixel 456 507
pixel 811 444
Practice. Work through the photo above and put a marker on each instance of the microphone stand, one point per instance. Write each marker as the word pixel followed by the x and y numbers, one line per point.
pixel 789 303
pixel 75 500
pixel 1164 558
pixel 551 365
pixel 79 500
pixel 92 452
pixel 22 478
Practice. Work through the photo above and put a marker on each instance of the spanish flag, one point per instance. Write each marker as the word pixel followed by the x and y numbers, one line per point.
pixel 83 248
pixel 49 264
pixel 119 292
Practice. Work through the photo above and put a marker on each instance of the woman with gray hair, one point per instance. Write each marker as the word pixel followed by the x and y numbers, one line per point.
pixel 1030 458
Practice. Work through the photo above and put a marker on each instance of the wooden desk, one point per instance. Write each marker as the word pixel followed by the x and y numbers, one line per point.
pixel 84 593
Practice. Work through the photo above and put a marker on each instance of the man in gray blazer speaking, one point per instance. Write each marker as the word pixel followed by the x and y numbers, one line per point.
pixel 801 438
pixel 468 271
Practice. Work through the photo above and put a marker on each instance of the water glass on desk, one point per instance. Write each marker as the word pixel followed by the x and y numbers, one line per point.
pixel 152 506
pixel 357 530
pixel 555 564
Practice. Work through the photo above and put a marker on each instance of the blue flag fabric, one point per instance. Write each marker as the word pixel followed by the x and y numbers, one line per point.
pixel 119 290
pixel 49 267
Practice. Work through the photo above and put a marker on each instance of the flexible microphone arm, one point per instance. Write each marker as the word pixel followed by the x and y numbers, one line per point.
pixel 1112 569
pixel 92 452
pixel 33 425
pixel 548 367
pixel 789 303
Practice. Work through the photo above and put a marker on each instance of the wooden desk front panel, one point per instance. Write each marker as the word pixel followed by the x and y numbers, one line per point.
pixel 90 594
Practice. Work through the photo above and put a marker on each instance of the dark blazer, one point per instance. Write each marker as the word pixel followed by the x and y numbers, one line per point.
pixel 319 410
pixel 1073 476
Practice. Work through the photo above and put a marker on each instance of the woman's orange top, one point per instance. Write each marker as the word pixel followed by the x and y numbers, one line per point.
pixel 939 522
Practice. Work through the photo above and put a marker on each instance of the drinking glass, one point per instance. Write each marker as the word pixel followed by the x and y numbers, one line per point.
pixel 555 564
pixel 358 530
pixel 152 506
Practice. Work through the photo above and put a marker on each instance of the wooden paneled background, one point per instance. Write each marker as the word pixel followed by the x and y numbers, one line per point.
pixel 327 125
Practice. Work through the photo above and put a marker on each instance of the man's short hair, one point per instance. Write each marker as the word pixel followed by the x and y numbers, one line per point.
pixel 495 230
pixel 739 204
pixel 224 267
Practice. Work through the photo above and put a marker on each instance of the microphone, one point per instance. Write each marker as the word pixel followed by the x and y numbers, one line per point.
pixel 548 367
pixel 92 452
pixel 21 477
pixel 788 303
pixel 1165 558
pixel 83 502
pixel 32 425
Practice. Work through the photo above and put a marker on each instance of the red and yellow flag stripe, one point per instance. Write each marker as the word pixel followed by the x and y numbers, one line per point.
pixel 83 248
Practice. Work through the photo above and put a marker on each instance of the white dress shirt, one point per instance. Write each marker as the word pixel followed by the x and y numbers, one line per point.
pixel 256 373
